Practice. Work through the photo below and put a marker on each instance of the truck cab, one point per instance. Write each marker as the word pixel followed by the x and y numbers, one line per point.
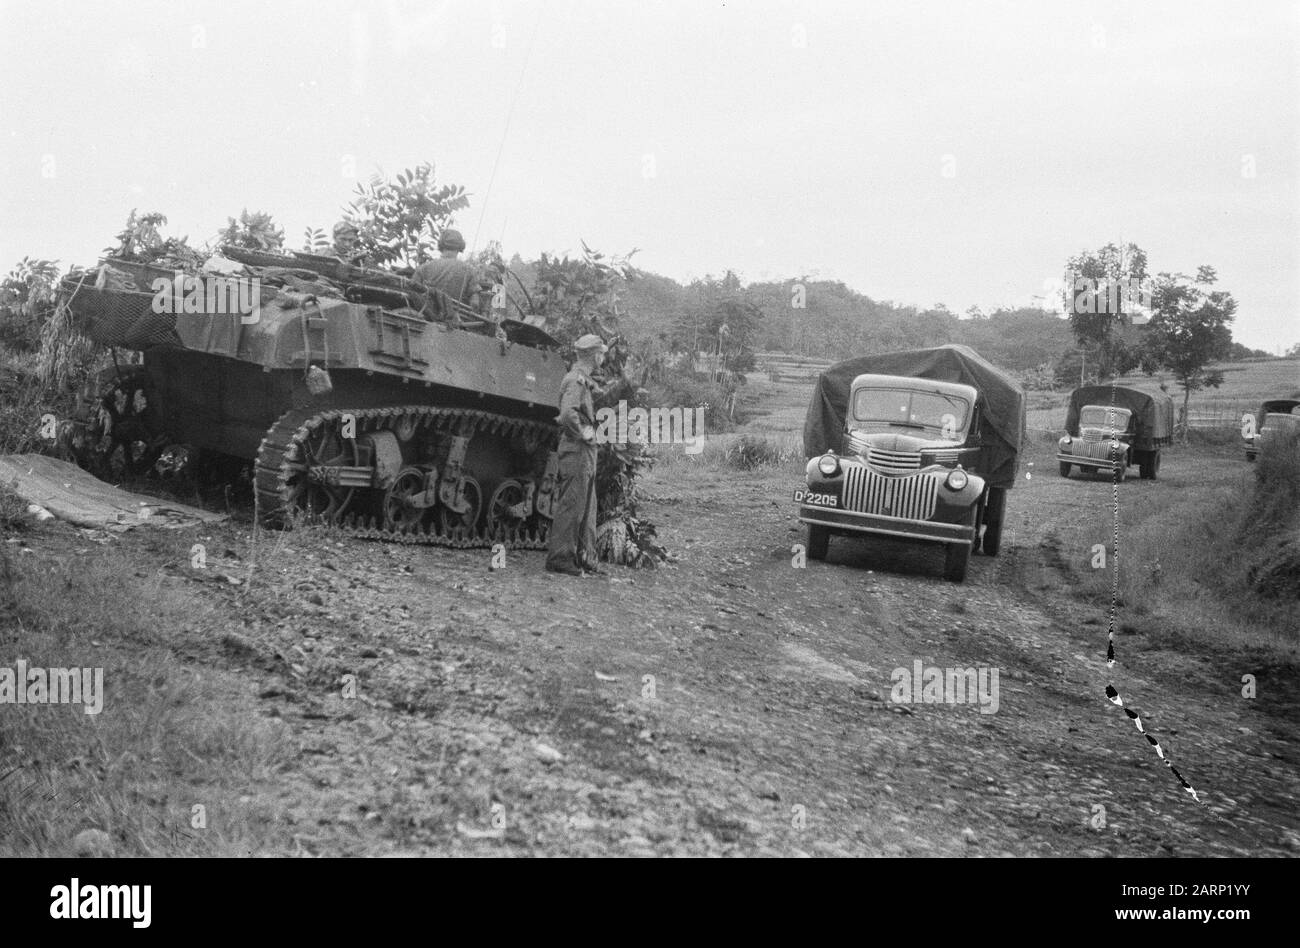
pixel 1105 441
pixel 1275 415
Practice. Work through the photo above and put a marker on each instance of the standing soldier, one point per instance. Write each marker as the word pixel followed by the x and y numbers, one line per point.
pixel 571 546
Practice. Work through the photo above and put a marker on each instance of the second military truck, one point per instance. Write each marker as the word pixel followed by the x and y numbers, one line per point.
pixel 1110 427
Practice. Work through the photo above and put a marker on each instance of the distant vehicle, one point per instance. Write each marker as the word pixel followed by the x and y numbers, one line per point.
pixel 1275 414
pixel 919 445
pixel 1110 427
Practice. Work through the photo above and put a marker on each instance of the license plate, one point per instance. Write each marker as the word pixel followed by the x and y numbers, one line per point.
pixel 820 500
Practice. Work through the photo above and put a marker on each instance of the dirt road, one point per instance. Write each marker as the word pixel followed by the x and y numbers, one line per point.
pixel 729 703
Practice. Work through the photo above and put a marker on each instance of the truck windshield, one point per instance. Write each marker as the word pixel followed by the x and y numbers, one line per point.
pixel 1103 416
pixel 900 407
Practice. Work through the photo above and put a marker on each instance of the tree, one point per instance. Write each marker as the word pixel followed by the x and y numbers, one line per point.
pixel 26 302
pixel 1101 292
pixel 398 221
pixel 580 296
pixel 1188 331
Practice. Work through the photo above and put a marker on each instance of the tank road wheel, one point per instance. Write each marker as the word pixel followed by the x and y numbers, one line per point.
pixel 323 447
pixel 401 514
pixel 451 522
pixel 1065 469
pixel 819 541
pixel 499 518
pixel 122 430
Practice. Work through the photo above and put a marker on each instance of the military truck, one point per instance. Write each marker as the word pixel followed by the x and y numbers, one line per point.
pixel 920 445
pixel 1111 427
pixel 1274 415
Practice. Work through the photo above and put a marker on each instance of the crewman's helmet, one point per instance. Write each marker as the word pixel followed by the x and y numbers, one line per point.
pixel 451 240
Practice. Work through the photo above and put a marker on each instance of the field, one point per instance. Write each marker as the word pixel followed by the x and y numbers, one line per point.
pixel 322 696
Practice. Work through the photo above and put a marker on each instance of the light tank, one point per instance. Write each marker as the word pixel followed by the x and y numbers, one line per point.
pixel 362 399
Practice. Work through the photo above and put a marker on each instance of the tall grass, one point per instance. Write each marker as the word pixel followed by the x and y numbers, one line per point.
pixel 1224 558
pixel 731 453
pixel 170 735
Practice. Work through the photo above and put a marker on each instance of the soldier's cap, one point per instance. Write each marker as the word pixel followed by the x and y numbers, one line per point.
pixel 590 341
pixel 451 240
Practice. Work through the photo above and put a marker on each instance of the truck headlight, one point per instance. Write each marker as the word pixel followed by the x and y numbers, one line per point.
pixel 829 465
pixel 1067 441
pixel 957 480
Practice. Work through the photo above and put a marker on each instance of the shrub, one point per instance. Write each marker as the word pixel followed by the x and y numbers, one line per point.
pixel 750 451
pixel 26 302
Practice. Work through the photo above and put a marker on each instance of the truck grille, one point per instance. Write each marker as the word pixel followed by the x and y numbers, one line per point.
pixel 893 462
pixel 1091 435
pixel 1100 451
pixel 912 498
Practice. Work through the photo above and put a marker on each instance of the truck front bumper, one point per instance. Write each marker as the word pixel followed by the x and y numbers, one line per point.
pixel 1096 464
pixel 852 521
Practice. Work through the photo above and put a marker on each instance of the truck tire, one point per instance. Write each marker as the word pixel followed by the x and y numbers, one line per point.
pixel 1065 469
pixel 955 562
pixel 819 540
pixel 1149 464
pixel 956 558
pixel 994 515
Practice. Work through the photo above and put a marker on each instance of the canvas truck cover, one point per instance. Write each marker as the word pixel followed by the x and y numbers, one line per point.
pixel 1001 402
pixel 1153 411
pixel 1280 406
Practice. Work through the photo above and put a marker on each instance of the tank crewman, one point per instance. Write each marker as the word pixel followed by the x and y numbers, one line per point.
pixel 571 545
pixel 347 244
pixel 448 274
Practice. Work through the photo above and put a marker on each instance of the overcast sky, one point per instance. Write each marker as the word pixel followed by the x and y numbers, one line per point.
pixel 921 153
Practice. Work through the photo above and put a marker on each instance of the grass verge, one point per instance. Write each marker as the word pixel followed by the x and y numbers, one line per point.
pixel 175 744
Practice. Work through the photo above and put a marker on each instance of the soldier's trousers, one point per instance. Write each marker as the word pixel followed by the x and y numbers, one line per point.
pixel 572 540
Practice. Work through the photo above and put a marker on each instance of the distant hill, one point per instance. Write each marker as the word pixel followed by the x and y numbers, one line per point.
pixel 835 321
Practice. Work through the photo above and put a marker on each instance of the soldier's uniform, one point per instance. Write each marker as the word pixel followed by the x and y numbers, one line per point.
pixel 571 544
pixel 448 274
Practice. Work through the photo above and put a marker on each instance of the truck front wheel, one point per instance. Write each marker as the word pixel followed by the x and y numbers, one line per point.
pixel 957 555
pixel 994 514
pixel 956 561
pixel 819 540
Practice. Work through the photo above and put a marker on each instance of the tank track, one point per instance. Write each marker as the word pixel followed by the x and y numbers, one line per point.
pixel 278 460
